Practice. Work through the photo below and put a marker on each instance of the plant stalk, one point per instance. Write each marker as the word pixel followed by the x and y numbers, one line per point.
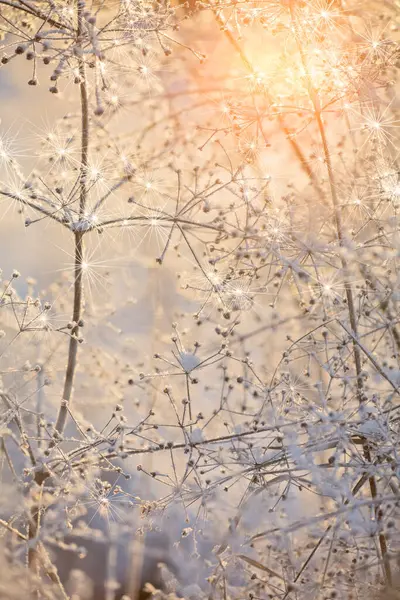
pixel 347 284
pixel 79 245
pixel 42 474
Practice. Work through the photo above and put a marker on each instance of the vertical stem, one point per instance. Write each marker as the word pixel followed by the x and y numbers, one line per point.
pixel 343 259
pixel 312 92
pixel 79 246
pixel 39 403
pixel 73 341
pixel 353 322
pixel 33 532
pixel 42 474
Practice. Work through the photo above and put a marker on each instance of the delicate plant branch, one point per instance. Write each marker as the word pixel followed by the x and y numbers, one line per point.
pixel 79 246
pixel 275 397
pixel 348 288
pixel 34 11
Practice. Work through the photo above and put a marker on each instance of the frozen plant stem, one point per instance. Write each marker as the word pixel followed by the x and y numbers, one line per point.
pixel 73 341
pixel 42 474
pixel 313 94
pixel 341 239
pixel 79 246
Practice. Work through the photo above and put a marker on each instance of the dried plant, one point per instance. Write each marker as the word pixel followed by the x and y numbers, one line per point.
pixel 204 404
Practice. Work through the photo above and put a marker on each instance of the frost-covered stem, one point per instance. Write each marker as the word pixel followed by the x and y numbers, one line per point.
pixel 312 92
pixel 34 11
pixel 73 341
pixel 341 239
pixel 79 246
pixel 353 323
pixel 337 214
pixel 40 209
pixel 84 111
pixel 42 474
pixel 33 533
